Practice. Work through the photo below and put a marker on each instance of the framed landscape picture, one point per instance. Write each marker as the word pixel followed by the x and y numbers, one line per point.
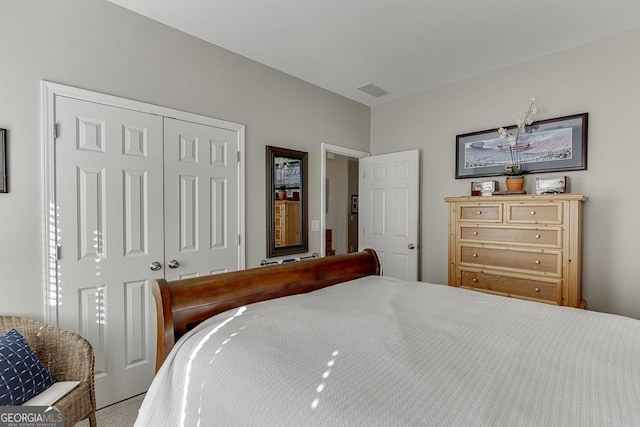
pixel 546 146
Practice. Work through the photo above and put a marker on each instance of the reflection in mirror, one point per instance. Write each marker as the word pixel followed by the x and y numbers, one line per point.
pixel 286 201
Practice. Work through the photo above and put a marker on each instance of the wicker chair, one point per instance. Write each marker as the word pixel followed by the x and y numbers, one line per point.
pixel 69 357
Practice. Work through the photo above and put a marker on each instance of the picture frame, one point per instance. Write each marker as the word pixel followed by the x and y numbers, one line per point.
pixel 3 161
pixel 354 203
pixel 551 145
pixel 552 185
pixel 483 188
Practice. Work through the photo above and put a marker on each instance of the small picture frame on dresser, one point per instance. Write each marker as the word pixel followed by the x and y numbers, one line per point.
pixel 556 185
pixel 483 188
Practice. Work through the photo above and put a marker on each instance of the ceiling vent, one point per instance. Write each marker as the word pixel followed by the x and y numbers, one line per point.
pixel 373 90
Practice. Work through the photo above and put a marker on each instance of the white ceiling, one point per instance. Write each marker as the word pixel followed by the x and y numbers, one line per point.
pixel 402 46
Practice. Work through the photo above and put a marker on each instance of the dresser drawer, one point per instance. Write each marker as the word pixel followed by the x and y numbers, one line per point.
pixel 531 213
pixel 548 291
pixel 484 213
pixel 548 237
pixel 531 261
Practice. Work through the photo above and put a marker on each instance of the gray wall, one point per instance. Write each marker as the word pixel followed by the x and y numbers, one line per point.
pixel 337 217
pixel 96 45
pixel 601 78
pixel 352 227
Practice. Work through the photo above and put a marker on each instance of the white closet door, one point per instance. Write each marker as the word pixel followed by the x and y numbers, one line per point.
pixel 109 189
pixel 108 216
pixel 201 199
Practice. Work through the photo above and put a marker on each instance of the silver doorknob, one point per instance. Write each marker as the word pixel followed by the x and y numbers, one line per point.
pixel 411 246
pixel 155 266
pixel 173 264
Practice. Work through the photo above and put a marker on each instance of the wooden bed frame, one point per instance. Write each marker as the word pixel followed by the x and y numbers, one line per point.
pixel 182 304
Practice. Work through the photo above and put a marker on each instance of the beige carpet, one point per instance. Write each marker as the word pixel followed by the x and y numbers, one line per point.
pixel 121 414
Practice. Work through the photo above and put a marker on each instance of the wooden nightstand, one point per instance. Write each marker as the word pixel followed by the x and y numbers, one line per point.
pixel 329 242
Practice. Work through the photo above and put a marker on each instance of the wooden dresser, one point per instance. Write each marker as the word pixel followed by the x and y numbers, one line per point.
pixel 524 246
pixel 287 223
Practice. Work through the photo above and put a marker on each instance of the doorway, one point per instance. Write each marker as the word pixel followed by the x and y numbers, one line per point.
pixel 388 207
pixel 338 214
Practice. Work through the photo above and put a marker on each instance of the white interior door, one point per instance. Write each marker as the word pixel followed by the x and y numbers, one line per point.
pixel 201 199
pixel 389 211
pixel 134 189
pixel 109 216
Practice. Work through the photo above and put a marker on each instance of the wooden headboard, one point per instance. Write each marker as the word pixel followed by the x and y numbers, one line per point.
pixel 182 304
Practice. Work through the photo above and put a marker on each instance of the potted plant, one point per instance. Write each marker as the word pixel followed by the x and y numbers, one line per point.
pixel 282 193
pixel 514 180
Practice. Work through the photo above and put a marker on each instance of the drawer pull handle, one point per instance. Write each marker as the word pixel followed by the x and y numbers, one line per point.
pixel 537 236
pixel 536 261
pixel 475 255
pixel 533 212
pixel 537 289
pixel 475 233
pixel 479 212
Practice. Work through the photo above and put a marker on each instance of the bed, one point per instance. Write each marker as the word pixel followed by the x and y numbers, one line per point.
pixel 330 342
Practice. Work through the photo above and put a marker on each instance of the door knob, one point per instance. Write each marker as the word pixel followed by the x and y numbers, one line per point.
pixel 155 266
pixel 173 264
pixel 411 246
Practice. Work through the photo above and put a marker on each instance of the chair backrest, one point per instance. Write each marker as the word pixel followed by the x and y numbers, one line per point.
pixel 32 331
pixel 68 356
pixel 50 343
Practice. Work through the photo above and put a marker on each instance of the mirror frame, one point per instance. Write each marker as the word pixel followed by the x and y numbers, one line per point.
pixel 271 154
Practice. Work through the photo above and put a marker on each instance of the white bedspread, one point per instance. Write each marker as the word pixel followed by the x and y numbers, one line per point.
pixel 378 351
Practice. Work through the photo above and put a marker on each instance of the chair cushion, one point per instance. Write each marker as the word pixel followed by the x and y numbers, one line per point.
pixel 22 375
pixel 52 394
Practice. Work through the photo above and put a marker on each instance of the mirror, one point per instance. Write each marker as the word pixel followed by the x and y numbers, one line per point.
pixel 286 202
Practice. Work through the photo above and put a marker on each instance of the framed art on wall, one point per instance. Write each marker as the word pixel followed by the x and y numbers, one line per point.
pixel 546 146
pixel 3 161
